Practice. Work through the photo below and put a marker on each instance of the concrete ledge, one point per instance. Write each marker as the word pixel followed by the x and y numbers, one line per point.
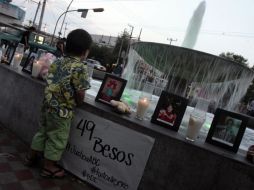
pixel 173 163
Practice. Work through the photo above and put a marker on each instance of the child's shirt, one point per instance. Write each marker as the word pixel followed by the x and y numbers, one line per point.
pixel 65 77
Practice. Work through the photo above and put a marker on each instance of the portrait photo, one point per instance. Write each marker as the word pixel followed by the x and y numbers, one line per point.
pixel 28 66
pixel 169 110
pixel 8 57
pixel 227 129
pixel 111 89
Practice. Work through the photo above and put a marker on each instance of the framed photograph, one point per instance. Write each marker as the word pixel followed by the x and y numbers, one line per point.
pixel 111 89
pixel 28 66
pixel 9 54
pixel 227 129
pixel 169 111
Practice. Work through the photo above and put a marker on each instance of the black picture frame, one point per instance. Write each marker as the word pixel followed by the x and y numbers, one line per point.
pixel 9 54
pixel 227 129
pixel 111 89
pixel 169 119
pixel 28 66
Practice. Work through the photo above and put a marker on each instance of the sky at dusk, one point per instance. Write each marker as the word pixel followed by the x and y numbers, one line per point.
pixel 227 24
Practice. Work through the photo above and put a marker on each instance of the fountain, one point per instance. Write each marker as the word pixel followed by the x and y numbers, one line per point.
pixel 194 26
pixel 188 73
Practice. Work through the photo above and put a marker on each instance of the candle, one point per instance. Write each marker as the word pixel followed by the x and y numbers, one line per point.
pixel 16 60
pixel 36 69
pixel 195 124
pixel 143 104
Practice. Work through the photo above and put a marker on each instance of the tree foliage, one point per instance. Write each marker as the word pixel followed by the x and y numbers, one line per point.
pixel 101 53
pixel 250 92
pixel 234 57
pixel 240 59
pixel 122 40
pixel 108 55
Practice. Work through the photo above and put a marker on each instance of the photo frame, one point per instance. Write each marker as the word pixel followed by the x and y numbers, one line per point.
pixel 111 89
pixel 28 66
pixel 9 53
pixel 169 111
pixel 227 129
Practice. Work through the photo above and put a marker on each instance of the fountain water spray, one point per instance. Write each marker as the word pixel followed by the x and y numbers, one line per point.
pixel 194 26
pixel 188 73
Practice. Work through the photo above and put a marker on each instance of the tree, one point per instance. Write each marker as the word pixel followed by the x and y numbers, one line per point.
pixel 109 56
pixel 240 59
pixel 101 53
pixel 250 92
pixel 235 57
pixel 122 44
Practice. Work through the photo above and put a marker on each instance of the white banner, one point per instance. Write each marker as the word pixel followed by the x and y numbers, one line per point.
pixel 105 154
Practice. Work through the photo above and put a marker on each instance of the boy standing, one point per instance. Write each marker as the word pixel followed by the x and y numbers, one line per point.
pixel 66 84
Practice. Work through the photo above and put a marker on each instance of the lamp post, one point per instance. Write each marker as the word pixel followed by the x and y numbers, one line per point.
pixel 60 32
pixel 76 10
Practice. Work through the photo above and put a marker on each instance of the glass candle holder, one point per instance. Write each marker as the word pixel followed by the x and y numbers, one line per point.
pixel 36 69
pixel 197 119
pixel 143 104
pixel 90 68
pixel 18 56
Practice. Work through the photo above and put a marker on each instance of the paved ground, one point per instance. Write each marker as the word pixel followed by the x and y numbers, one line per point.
pixel 15 176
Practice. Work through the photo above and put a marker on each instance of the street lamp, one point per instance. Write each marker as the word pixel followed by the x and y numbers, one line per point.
pixel 76 10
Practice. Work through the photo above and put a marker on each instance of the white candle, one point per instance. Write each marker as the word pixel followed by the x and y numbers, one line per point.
pixel 36 69
pixel 143 104
pixel 17 59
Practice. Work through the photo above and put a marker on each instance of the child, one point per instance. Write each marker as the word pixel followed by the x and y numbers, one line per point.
pixel 67 81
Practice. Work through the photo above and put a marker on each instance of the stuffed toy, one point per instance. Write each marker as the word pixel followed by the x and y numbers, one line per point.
pixel 46 60
pixel 120 106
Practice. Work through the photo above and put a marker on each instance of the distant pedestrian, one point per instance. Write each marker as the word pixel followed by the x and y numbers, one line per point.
pixel 25 37
pixel 67 81
pixel 60 47
pixel 118 70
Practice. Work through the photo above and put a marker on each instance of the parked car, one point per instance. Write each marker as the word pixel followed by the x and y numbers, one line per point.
pixel 97 65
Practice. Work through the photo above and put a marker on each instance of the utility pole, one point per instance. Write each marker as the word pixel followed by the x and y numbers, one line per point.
pixel 171 40
pixel 35 16
pixel 129 45
pixel 42 14
pixel 139 34
pixel 109 39
pixel 119 53
pixel 65 28
pixel 60 31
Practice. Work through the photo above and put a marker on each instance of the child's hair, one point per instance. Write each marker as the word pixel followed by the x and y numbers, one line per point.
pixel 77 42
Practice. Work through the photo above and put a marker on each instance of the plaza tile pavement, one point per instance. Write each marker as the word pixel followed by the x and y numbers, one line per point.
pixel 15 176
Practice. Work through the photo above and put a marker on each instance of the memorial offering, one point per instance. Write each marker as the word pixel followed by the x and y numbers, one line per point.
pixel 197 119
pixel 121 107
pixel 227 129
pixel 143 104
pixel 36 69
pixel 17 56
pixel 169 111
pixel 111 89
pixel 28 66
